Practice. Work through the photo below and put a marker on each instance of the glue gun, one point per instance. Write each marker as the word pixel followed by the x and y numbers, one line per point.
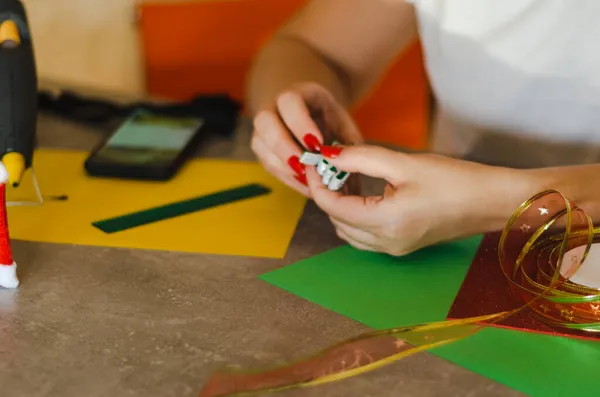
pixel 18 91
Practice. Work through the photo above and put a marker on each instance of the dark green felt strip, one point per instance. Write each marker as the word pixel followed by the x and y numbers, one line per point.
pixel 168 211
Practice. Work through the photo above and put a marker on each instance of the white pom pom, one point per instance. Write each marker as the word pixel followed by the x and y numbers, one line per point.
pixel 8 276
pixel 3 173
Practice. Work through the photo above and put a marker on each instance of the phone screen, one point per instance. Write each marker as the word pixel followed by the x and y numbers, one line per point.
pixel 149 139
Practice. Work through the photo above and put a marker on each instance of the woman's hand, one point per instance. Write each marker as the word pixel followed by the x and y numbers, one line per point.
pixel 428 199
pixel 303 118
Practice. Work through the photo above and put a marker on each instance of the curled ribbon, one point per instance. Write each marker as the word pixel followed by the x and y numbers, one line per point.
pixel 542 246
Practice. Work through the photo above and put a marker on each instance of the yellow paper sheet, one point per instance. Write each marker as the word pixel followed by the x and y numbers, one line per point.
pixel 261 226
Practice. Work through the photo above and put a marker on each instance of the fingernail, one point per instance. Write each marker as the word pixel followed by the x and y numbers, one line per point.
pixel 296 165
pixel 301 179
pixel 312 143
pixel 331 151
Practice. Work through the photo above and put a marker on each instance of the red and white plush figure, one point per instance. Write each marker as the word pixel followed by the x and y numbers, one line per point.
pixel 8 267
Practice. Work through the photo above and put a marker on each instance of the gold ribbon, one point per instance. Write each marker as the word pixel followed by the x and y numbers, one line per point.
pixel 542 246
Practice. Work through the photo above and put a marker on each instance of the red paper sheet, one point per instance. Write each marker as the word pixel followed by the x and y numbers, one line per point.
pixel 485 290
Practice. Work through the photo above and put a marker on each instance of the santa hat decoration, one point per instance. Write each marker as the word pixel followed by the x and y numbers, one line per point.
pixel 8 267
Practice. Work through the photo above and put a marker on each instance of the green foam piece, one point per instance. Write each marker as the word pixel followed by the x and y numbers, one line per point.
pixel 172 210
pixel 381 292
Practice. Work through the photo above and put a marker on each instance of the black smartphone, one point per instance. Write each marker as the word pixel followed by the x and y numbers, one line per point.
pixel 146 146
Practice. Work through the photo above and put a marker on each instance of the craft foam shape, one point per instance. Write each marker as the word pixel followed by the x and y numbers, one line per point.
pixel 8 267
pixel 328 174
pixel 259 227
pixel 322 167
pixel 338 180
pixel 381 291
pixel 309 158
pixel 333 182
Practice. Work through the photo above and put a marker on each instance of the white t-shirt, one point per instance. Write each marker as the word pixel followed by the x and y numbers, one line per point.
pixel 517 82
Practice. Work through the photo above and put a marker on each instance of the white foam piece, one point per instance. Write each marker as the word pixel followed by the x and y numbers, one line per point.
pixel 322 167
pixel 309 158
pixel 336 182
pixel 328 174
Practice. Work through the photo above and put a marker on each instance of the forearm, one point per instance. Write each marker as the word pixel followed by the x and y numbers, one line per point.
pixel 503 190
pixel 580 184
pixel 285 62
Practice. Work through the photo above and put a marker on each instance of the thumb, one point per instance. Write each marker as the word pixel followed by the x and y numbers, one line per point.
pixel 296 115
pixel 368 160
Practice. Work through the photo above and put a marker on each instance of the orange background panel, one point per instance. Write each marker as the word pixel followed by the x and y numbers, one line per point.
pixel 207 46
pixel 397 110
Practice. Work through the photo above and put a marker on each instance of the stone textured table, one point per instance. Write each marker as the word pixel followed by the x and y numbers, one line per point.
pixel 105 322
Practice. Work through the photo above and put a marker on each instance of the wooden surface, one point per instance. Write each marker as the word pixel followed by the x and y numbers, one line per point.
pixel 99 322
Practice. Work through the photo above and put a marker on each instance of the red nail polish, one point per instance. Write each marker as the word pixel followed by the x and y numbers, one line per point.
pixel 301 179
pixel 331 151
pixel 312 143
pixel 296 165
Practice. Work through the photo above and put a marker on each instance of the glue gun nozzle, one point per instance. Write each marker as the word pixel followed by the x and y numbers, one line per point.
pixel 15 166
pixel 10 36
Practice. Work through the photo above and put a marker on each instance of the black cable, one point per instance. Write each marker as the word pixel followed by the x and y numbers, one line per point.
pixel 219 111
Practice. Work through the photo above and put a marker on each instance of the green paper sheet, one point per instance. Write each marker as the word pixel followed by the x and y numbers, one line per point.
pixel 383 292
